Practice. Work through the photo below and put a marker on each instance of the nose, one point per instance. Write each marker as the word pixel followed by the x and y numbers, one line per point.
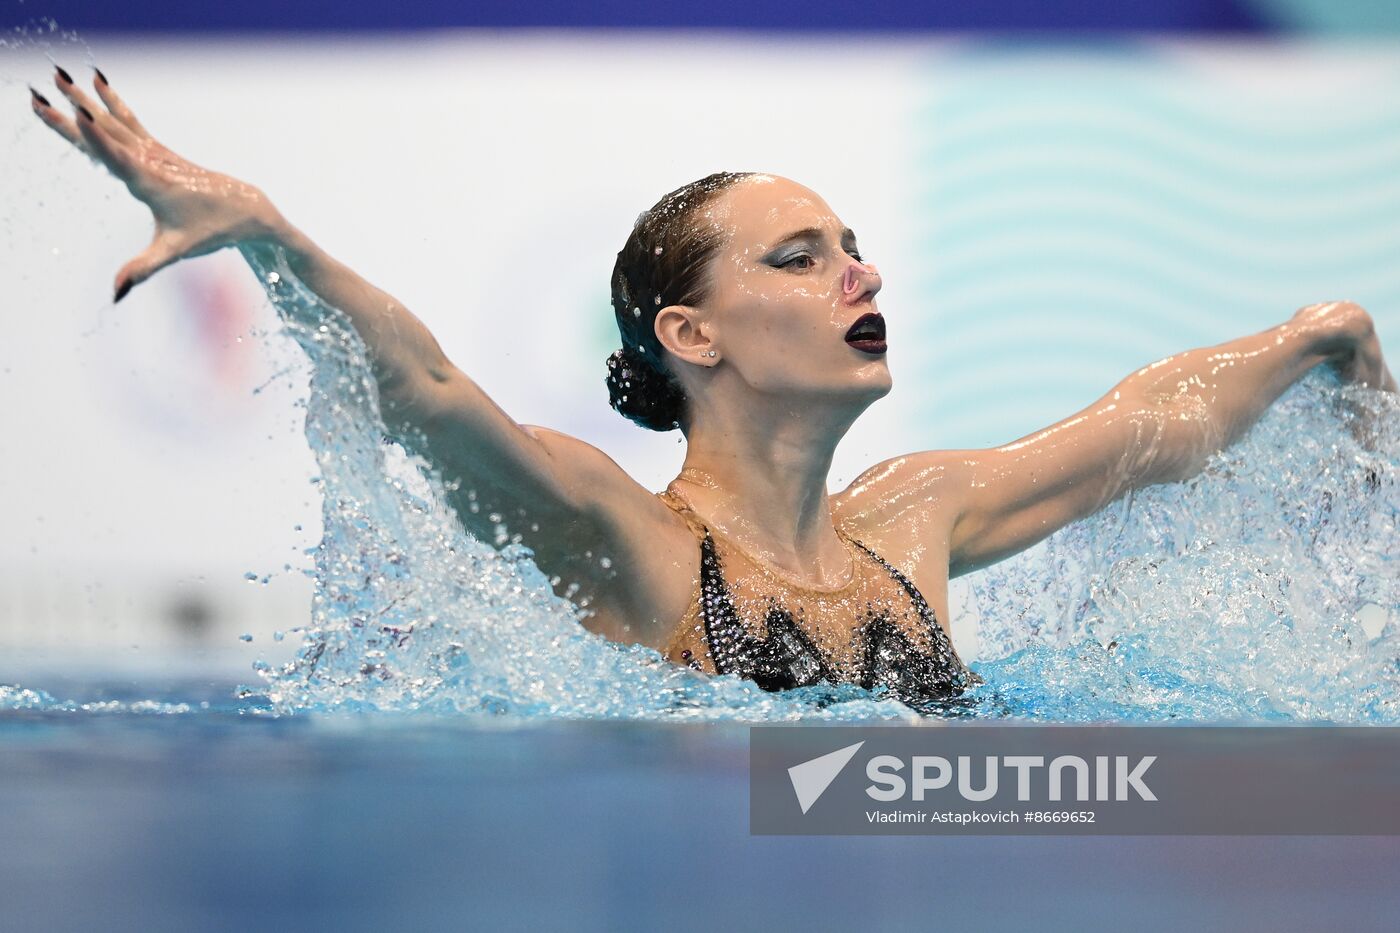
pixel 859 280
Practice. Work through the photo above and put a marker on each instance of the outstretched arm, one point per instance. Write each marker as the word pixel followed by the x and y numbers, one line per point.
pixel 562 495
pixel 1158 425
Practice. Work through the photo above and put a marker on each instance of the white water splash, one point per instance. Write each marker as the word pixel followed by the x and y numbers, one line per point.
pixel 413 613
pixel 1233 596
pixel 1244 593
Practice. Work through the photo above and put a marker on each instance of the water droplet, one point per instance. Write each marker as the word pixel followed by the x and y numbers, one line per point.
pixel 245 637
pixel 605 562
pixel 636 312
pixel 657 251
pixel 656 300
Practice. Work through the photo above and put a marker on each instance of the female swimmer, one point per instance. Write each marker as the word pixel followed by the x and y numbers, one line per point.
pixel 749 322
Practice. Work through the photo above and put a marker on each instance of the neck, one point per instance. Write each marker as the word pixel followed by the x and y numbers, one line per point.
pixel 761 481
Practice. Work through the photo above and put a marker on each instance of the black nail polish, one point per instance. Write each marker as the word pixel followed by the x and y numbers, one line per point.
pixel 40 97
pixel 100 76
pixel 122 289
pixel 64 75
pixel 84 111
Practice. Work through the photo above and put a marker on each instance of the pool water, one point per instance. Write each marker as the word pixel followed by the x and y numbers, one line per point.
pixel 216 819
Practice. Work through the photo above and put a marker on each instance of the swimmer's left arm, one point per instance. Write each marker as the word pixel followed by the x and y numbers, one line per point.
pixel 1158 425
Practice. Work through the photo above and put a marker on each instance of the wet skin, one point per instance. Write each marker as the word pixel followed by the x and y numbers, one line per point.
pixel 766 410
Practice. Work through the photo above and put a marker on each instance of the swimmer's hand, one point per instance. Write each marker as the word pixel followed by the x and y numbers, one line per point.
pixel 1347 334
pixel 196 211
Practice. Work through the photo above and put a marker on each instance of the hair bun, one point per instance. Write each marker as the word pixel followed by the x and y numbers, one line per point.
pixel 641 393
pixel 665 261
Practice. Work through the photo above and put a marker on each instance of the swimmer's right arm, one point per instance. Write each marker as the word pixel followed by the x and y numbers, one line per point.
pixel 570 503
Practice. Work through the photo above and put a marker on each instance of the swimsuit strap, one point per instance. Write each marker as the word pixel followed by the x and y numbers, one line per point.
pixel 711 596
pixel 943 642
pixel 916 597
pixel 680 507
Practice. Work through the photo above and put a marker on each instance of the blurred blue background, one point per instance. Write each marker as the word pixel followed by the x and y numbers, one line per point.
pixel 1197 16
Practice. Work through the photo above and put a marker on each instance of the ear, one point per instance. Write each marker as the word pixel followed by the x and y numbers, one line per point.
pixel 684 332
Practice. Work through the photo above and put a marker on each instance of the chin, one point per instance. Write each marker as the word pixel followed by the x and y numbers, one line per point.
pixel 877 378
pixel 872 384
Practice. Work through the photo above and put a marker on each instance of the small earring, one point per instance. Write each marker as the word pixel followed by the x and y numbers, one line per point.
pixel 711 353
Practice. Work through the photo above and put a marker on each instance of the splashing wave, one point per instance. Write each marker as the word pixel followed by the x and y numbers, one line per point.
pixel 1264 589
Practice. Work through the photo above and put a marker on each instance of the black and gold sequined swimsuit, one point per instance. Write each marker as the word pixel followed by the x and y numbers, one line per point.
pixel 746 617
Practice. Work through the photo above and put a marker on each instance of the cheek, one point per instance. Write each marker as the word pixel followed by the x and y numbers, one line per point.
pixel 801 296
pixel 798 310
pixel 783 325
pixel 782 333
pixel 787 350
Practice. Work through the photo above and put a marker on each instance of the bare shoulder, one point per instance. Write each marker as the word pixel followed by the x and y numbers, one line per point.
pixel 599 480
pixel 634 559
pixel 905 509
pixel 907 504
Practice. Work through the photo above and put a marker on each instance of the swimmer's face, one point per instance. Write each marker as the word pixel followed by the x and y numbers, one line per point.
pixel 787 284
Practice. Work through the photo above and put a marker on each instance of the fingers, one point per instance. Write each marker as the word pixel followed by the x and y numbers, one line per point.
pixel 58 122
pixel 117 106
pixel 99 141
pixel 91 131
pixel 86 106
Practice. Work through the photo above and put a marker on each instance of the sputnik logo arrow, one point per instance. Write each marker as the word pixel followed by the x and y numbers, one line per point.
pixel 811 778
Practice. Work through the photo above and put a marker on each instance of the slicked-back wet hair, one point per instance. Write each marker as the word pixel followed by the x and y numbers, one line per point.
pixel 664 262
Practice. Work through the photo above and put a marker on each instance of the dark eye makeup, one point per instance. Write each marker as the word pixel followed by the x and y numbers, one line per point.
pixel 793 259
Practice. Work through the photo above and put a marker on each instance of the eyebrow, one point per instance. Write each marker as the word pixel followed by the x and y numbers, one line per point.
pixel 813 233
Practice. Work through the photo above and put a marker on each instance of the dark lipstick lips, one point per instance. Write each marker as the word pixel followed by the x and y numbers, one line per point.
pixel 867 334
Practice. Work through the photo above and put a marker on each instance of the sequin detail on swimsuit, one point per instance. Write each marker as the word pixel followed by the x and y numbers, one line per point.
pixel 782 636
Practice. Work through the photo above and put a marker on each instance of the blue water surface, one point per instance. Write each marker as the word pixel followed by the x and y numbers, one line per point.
pixel 219 820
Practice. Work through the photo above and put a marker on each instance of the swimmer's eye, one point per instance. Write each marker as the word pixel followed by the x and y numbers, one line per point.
pixel 800 256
